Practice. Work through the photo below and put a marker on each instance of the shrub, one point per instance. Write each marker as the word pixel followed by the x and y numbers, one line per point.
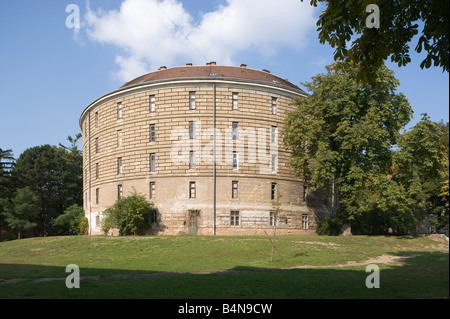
pixel 68 223
pixel 329 226
pixel 83 227
pixel 131 215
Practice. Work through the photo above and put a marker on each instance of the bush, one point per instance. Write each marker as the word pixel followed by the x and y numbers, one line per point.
pixel 131 215
pixel 329 226
pixel 83 227
pixel 68 223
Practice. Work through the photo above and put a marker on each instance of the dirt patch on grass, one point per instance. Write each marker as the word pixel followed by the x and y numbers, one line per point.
pixel 383 259
pixel 317 243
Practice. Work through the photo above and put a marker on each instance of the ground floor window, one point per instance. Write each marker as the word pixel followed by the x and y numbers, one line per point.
pixel 273 219
pixel 234 218
pixel 305 223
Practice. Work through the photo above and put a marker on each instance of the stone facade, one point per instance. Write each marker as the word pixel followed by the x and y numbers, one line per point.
pixel 152 137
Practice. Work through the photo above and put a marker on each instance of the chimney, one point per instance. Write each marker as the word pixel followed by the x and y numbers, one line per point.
pixel 162 68
pixel 188 64
pixel 267 71
pixel 243 65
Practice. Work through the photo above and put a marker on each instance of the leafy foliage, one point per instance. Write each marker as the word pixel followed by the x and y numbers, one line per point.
pixel 344 21
pixel 23 212
pixel 131 215
pixel 329 226
pixel 344 131
pixel 69 222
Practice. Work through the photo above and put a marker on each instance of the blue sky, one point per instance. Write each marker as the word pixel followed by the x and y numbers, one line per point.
pixel 49 73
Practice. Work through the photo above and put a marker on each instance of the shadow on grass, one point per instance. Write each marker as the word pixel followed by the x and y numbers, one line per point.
pixel 423 276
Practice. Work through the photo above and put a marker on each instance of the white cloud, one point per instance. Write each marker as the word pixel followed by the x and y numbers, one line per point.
pixel 161 32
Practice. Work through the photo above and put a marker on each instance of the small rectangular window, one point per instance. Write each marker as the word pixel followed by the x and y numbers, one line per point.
pixel 274 105
pixel 152 190
pixel 192 130
pixel 305 223
pixel 273 191
pixel 97 196
pixel 192 100
pixel 192 190
pixel 152 162
pixel 96 119
pixel 97 171
pixel 119 138
pixel 274 134
pixel 97 148
pixel 235 130
pixel 235 164
pixel 234 218
pixel 119 110
pixel 272 219
pixel 234 101
pixel 274 163
pixel 152 133
pixel 119 165
pixel 234 189
pixel 192 159
pixel 152 99
pixel 119 192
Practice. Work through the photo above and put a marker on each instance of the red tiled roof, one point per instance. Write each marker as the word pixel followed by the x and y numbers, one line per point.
pixel 217 71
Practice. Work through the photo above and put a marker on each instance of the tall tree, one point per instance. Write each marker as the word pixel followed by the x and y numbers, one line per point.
pixel 398 24
pixel 6 165
pixel 44 170
pixel 343 132
pixel 23 213
pixel 73 182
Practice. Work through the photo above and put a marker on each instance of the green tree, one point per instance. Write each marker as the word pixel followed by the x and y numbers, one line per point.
pixel 6 165
pixel 44 170
pixel 6 183
pixel 399 23
pixel 342 133
pixel 68 223
pixel 23 212
pixel 73 179
pixel 420 166
pixel 131 215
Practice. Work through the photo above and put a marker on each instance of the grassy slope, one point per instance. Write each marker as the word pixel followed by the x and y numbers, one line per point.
pixel 222 267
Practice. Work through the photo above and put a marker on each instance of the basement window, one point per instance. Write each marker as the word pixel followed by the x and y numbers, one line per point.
pixel 305 223
pixel 234 218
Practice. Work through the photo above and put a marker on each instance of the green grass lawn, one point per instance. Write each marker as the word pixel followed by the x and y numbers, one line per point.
pixel 195 267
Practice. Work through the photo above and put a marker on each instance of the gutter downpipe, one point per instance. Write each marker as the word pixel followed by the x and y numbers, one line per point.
pixel 214 159
pixel 89 168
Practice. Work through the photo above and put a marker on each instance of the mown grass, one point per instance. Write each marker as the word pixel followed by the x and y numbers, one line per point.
pixel 222 267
